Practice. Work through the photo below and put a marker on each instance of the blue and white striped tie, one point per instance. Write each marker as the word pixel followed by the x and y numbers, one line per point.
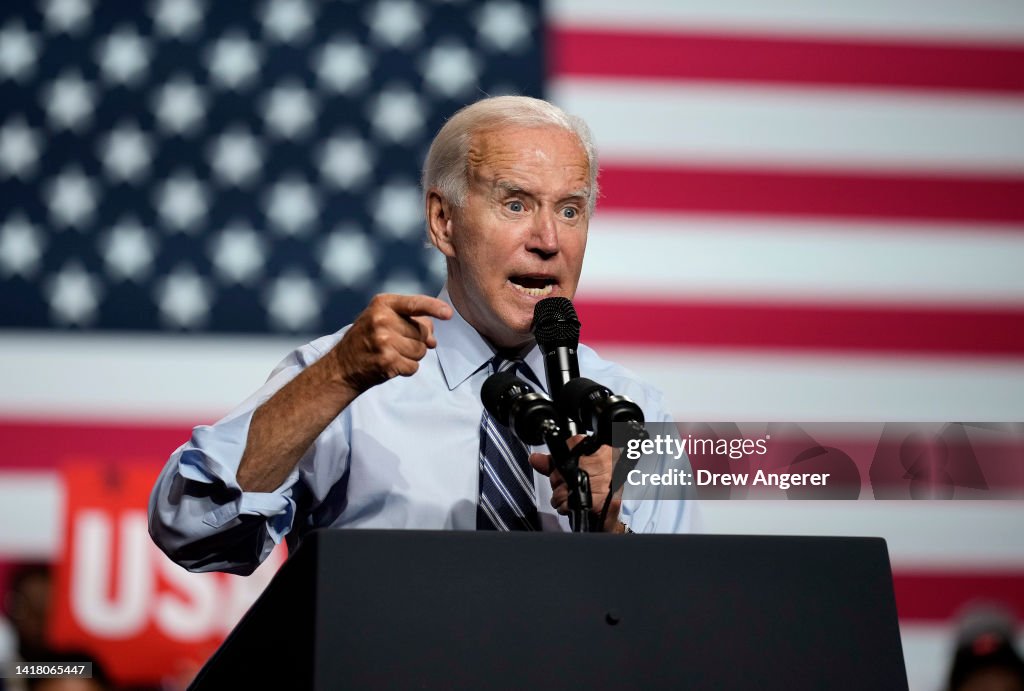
pixel 507 497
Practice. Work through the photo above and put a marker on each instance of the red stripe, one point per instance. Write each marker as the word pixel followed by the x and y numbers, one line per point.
pixel 941 596
pixel 857 195
pixel 868 328
pixel 35 444
pixel 793 60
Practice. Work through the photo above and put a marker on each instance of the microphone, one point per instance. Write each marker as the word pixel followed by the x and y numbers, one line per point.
pixel 557 330
pixel 598 409
pixel 514 403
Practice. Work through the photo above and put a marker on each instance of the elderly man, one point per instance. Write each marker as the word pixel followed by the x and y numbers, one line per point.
pixel 380 425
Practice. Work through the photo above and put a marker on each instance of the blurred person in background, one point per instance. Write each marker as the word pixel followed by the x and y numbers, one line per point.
pixel 27 604
pixel 985 657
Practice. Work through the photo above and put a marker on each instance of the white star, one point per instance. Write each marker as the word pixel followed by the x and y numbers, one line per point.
pixel 123 56
pixel 128 250
pixel 402 283
pixel 18 51
pixel 238 254
pixel 126 153
pixel 398 209
pixel 68 16
pixel 292 206
pixel 234 61
pixel 396 114
pixel 343 65
pixel 293 303
pixel 288 21
pixel 504 26
pixel 180 105
pixel 450 69
pixel 348 257
pixel 346 161
pixel 19 149
pixel 395 23
pixel 289 110
pixel 71 199
pixel 235 157
pixel 21 247
pixel 183 297
pixel 74 295
pixel 178 18
pixel 182 202
pixel 69 101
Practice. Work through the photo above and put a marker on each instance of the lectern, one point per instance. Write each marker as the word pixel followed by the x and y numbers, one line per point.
pixel 358 609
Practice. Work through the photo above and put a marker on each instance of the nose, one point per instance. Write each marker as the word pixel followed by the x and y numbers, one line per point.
pixel 543 238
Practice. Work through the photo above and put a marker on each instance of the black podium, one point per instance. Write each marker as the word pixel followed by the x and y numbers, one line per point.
pixel 430 610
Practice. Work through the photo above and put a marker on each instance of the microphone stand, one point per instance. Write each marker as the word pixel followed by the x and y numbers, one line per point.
pixel 577 480
pixel 589 446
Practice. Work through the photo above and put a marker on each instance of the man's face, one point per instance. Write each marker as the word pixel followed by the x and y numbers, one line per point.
pixel 521 235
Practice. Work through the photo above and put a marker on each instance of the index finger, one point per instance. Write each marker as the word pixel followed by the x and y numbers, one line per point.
pixel 420 306
pixel 426 328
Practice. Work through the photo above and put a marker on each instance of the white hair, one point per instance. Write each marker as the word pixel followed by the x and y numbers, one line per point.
pixel 447 165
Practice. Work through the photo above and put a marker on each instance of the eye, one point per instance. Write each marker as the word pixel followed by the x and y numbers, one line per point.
pixel 570 212
pixel 515 206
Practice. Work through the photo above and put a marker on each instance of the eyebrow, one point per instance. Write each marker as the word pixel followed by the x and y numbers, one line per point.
pixel 513 188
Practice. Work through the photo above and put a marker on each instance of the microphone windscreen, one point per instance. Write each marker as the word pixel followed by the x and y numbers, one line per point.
pixel 555 322
pixel 573 401
pixel 497 392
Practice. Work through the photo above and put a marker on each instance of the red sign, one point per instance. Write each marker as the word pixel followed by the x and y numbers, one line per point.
pixel 117 596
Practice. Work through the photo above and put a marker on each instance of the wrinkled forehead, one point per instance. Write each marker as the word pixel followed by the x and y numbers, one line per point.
pixel 501 154
pixel 546 144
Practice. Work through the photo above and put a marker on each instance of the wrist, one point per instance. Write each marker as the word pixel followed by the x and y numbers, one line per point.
pixel 337 376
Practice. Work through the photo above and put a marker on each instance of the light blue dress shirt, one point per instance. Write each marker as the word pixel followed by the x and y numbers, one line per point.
pixel 404 454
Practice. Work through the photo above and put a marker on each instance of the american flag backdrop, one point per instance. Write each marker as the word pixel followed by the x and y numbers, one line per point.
pixel 810 212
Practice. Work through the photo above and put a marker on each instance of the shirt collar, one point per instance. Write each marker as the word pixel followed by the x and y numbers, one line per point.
pixel 462 351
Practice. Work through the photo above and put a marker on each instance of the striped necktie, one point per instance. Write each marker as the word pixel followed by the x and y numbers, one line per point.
pixel 507 497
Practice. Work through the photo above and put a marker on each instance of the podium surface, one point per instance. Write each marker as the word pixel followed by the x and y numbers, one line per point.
pixel 360 609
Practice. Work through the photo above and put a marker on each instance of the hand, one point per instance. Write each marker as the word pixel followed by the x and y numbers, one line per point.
pixel 388 339
pixel 599 467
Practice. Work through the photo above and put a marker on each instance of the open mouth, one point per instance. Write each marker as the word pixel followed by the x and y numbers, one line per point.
pixel 534 286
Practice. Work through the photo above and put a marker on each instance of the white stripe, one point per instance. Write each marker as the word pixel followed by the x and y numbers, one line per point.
pixel 995 20
pixel 189 379
pixel 638 256
pixel 743 125
pixel 79 376
pixel 492 514
pixel 508 456
pixel 951 536
pixel 502 490
pixel 928 652
pixel 31 515
pixel 716 386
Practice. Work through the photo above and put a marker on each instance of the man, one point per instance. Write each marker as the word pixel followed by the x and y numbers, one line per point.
pixel 381 425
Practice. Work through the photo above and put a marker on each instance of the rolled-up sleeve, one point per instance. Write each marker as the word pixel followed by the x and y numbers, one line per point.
pixel 200 516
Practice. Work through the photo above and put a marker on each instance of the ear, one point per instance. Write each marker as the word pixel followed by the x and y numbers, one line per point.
pixel 439 222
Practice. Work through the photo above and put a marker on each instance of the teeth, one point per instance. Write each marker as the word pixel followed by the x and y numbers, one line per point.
pixel 534 292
